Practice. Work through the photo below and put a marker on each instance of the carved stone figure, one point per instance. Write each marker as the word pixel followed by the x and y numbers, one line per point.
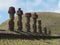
pixel 11 12
pixel 49 32
pixel 34 16
pixel 45 30
pixel 28 15
pixel 39 26
pixel 19 23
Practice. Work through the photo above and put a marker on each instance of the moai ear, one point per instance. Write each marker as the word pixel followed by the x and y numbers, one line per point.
pixel 11 10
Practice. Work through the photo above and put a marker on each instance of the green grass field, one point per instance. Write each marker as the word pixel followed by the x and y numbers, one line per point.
pixel 49 19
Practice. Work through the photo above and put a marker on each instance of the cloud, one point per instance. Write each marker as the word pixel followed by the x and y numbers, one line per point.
pixel 36 2
pixel 52 0
pixel 58 8
pixel 5 4
pixel 28 5
pixel 0 16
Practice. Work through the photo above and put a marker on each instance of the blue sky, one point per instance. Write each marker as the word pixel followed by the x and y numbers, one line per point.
pixel 28 6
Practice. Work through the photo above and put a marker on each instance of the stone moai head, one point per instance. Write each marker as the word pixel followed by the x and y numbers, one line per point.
pixel 19 12
pixel 28 15
pixel 11 10
pixel 35 16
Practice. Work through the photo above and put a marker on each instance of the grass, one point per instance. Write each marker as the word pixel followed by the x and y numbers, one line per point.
pixel 49 19
pixel 29 42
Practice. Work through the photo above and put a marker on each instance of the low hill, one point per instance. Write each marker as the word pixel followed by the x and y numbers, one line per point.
pixel 49 19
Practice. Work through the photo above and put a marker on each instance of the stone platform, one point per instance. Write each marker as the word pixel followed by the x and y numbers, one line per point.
pixel 24 35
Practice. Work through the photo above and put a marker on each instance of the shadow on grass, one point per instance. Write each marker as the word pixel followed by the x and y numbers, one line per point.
pixel 25 35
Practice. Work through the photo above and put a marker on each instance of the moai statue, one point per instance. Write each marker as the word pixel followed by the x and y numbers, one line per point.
pixel 19 23
pixel 49 32
pixel 45 30
pixel 34 16
pixel 11 12
pixel 39 26
pixel 28 15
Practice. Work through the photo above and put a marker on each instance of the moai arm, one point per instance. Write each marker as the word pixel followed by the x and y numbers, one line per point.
pixel 28 15
pixel 19 23
pixel 11 12
pixel 39 26
pixel 34 16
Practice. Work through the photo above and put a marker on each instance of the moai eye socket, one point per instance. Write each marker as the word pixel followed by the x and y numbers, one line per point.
pixel 11 10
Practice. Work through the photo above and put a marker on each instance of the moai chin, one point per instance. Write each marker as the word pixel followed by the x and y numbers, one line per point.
pixel 28 15
pixel 34 16
pixel 11 12
pixel 19 23
pixel 39 26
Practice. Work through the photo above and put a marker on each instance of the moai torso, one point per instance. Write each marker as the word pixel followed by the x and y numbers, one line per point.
pixel 19 23
pixel 39 26
pixel 11 21
pixel 34 16
pixel 28 15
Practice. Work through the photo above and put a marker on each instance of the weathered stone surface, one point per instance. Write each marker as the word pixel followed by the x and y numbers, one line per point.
pixel 49 32
pixel 39 26
pixel 11 12
pixel 34 16
pixel 27 24
pixel 11 25
pixel 45 30
pixel 19 23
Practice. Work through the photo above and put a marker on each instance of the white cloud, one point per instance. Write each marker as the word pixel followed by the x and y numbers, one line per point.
pixel 5 4
pixel 58 8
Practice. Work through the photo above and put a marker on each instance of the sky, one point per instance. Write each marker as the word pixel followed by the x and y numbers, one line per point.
pixel 28 6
